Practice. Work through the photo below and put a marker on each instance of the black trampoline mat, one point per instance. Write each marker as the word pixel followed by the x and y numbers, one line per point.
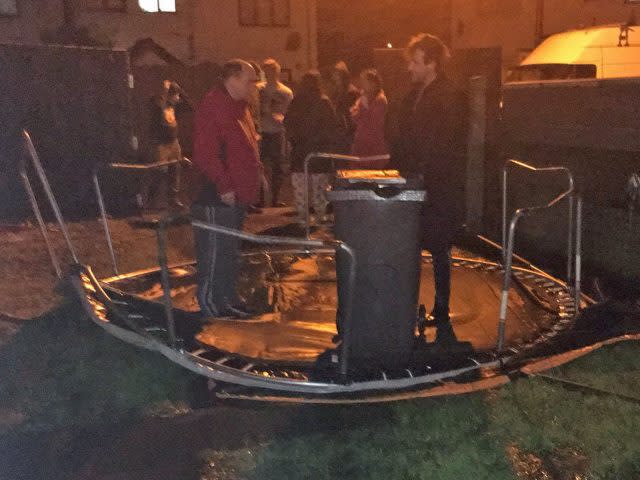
pixel 297 296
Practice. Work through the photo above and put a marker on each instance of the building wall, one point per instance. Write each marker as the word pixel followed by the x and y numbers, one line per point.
pixel 199 31
pixel 219 35
pixel 123 29
pixel 33 18
pixel 351 29
pixel 511 24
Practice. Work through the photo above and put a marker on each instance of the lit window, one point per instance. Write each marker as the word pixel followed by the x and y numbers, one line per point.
pixel 157 5
pixel 265 13
pixel 8 8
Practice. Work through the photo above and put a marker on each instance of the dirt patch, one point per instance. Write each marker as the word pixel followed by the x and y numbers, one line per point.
pixel 561 464
pixel 28 281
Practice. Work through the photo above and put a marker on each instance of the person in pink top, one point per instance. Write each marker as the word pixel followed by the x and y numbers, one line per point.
pixel 368 115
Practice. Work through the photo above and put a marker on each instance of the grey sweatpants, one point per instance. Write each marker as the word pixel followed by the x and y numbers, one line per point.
pixel 217 257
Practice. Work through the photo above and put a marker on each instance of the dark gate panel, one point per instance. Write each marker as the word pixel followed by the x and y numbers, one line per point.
pixel 75 101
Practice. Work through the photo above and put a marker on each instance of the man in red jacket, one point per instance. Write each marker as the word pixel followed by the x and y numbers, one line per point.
pixel 226 153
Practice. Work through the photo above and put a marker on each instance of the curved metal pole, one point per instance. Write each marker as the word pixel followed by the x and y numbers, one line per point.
pixel 335 245
pixel 100 197
pixel 504 301
pixel 504 214
pixel 570 192
pixel 146 166
pixel 330 156
pixel 508 263
pixel 161 234
pixel 47 188
pixel 578 277
pixel 41 224
pixel 570 228
pixel 105 221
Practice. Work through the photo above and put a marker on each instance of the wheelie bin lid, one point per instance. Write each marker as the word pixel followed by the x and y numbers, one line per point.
pixel 376 185
pixel 356 179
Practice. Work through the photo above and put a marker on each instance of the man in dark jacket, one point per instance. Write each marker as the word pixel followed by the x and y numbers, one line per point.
pixel 432 142
pixel 226 153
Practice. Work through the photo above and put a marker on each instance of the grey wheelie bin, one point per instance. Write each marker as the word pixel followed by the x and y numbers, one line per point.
pixel 380 216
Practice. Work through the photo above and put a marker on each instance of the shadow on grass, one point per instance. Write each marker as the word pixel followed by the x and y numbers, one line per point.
pixel 60 370
pixel 434 439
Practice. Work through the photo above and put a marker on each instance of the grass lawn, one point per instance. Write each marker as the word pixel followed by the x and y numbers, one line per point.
pixel 532 428
pixel 61 371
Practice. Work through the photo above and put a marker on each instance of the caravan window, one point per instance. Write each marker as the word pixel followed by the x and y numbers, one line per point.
pixel 551 71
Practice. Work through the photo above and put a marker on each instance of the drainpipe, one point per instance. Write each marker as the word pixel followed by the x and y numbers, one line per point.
pixel 191 38
pixel 450 28
pixel 309 54
pixel 539 27
pixel 70 15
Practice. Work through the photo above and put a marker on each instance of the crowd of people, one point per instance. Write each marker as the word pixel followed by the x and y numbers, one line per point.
pixel 336 118
pixel 252 131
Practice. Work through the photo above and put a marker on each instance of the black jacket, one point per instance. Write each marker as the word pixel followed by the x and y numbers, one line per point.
pixel 312 126
pixel 432 141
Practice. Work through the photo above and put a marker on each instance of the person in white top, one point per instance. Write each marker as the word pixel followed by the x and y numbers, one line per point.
pixel 275 98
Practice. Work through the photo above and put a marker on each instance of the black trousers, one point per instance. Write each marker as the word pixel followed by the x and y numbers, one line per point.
pixel 441 226
pixel 217 256
pixel 272 153
pixel 441 256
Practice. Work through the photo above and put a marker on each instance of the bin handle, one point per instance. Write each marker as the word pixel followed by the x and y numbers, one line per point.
pixel 387 192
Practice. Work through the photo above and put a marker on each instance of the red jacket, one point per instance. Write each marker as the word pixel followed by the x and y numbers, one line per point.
pixel 225 146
